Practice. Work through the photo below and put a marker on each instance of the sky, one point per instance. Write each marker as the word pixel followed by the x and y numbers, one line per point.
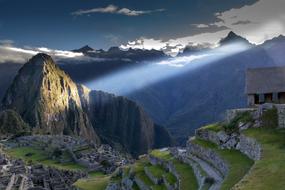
pixel 158 24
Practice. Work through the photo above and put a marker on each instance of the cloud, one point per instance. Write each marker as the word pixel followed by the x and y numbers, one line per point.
pixel 112 9
pixel 258 22
pixel 9 53
pixel 6 42
pixel 242 22
pixel 201 25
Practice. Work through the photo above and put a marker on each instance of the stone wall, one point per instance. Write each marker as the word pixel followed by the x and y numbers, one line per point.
pixel 230 114
pixel 249 147
pixel 183 158
pixel 210 156
pixel 246 145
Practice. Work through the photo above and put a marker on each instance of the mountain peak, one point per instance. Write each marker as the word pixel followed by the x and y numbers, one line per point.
pixel 41 59
pixel 232 38
pixel 84 49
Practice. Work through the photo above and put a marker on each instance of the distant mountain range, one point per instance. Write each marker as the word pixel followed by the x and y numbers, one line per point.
pixel 189 100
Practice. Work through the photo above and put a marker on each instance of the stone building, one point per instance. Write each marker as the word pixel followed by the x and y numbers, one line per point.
pixel 265 85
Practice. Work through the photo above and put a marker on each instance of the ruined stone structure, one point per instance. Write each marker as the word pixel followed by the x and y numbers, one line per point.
pixel 16 175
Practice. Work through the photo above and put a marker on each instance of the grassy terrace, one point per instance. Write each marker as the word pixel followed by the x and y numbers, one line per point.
pixel 96 181
pixel 269 172
pixel 34 155
pixel 239 164
pixel 188 179
pixel 138 169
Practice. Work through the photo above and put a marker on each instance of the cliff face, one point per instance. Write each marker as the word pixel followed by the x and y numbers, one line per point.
pixel 51 103
pixel 123 123
pixel 48 100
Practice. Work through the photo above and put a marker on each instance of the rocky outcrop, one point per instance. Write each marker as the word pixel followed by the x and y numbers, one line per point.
pixel 11 123
pixel 51 103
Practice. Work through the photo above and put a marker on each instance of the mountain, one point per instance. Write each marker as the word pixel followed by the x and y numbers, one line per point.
pixel 51 103
pixel 84 49
pixel 233 38
pixel 121 121
pixel 131 54
pixel 48 100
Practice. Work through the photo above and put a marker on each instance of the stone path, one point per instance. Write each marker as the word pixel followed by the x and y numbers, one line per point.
pixel 211 171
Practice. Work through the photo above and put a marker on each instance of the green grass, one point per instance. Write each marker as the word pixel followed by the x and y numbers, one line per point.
pixel 188 179
pixel 170 178
pixel 269 172
pixel 99 182
pixel 34 155
pixel 165 155
pixel 216 127
pixel 239 164
pixel 156 171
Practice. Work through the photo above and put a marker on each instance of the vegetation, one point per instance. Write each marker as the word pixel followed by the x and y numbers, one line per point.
pixel 242 117
pixel 156 171
pixel 216 127
pixel 37 155
pixel 239 164
pixel 269 118
pixel 98 182
pixel 267 173
pixel 188 179
pixel 12 124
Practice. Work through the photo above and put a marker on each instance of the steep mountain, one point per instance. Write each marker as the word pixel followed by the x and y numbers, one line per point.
pixel 84 49
pixel 120 121
pixel 233 38
pixel 51 103
pixel 48 100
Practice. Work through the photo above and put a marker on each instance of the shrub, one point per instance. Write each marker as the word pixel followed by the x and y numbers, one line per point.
pixel 269 118
pixel 242 117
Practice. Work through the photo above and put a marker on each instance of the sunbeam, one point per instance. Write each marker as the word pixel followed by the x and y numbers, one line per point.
pixel 132 79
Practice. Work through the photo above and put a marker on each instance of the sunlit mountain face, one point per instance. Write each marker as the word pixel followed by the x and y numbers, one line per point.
pixel 184 63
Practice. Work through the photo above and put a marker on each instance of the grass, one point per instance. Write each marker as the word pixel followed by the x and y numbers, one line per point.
pixel 156 171
pixel 239 164
pixel 170 178
pixel 216 127
pixel 188 179
pixel 267 173
pixel 98 182
pixel 35 155
pixel 165 155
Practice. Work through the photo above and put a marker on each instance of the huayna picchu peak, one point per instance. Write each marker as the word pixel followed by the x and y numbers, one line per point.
pixel 51 103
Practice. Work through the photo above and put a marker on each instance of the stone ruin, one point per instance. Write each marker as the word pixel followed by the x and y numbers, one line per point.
pixel 16 175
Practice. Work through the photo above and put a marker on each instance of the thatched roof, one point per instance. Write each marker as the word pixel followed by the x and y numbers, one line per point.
pixel 265 80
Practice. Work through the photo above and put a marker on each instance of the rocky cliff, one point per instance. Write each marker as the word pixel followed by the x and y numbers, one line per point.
pixel 48 100
pixel 123 123
pixel 51 103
